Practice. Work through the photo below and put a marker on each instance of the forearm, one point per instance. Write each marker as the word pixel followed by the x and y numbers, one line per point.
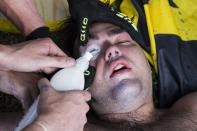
pixel 22 13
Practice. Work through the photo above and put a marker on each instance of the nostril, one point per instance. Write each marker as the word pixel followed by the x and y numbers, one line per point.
pixel 109 55
pixel 116 52
pixel 112 53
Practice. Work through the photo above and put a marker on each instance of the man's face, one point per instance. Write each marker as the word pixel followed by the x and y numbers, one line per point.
pixel 123 80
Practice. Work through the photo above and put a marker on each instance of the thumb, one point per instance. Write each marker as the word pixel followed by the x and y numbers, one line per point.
pixel 45 87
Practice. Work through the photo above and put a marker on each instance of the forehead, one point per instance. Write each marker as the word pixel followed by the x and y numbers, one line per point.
pixel 102 27
pixel 100 32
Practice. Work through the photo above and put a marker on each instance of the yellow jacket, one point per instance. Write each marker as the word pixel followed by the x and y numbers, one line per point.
pixel 169 28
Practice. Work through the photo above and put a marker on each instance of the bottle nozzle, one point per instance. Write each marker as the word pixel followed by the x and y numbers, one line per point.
pixel 83 62
pixel 94 50
pixel 87 56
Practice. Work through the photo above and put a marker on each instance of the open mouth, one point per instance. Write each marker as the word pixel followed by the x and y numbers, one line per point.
pixel 120 68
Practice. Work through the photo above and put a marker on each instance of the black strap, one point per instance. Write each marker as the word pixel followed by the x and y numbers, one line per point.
pixel 41 32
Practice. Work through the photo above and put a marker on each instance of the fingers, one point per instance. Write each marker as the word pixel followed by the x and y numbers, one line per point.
pixel 80 95
pixel 46 90
pixel 43 85
pixel 49 70
pixel 71 104
pixel 50 64
pixel 86 107
pixel 53 57
pixel 61 61
pixel 48 47
pixel 35 56
pixel 55 50
pixel 87 95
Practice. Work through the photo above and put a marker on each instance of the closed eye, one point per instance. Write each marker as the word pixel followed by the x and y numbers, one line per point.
pixel 124 43
pixel 91 36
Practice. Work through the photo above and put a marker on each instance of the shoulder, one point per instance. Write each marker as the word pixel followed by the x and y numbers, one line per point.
pixel 186 103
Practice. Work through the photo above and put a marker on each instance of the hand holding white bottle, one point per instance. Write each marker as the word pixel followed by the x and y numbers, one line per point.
pixel 71 78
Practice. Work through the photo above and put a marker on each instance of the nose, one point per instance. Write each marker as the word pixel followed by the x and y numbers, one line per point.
pixel 112 53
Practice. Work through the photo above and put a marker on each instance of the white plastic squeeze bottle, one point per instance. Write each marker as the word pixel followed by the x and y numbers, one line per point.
pixel 71 78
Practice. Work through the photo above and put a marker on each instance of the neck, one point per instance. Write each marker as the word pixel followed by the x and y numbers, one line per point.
pixel 143 115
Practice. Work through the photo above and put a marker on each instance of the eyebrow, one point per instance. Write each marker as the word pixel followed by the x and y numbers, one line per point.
pixel 115 31
pixel 110 32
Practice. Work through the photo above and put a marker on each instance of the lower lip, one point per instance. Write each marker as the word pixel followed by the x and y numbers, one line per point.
pixel 120 72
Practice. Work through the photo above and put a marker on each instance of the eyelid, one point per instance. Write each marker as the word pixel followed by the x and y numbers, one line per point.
pixel 124 43
pixel 92 36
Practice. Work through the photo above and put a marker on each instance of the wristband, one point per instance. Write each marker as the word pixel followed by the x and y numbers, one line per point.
pixel 41 125
pixel 41 32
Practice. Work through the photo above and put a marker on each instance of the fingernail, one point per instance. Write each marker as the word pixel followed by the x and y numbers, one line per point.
pixel 88 96
pixel 42 84
pixel 70 61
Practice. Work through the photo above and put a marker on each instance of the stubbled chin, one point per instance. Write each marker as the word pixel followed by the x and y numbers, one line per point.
pixel 126 90
pixel 119 98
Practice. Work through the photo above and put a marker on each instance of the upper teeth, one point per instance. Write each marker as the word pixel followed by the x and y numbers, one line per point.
pixel 119 66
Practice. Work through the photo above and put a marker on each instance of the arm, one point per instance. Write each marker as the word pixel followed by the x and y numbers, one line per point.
pixel 23 14
pixel 19 60
pixel 40 55
pixel 43 56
